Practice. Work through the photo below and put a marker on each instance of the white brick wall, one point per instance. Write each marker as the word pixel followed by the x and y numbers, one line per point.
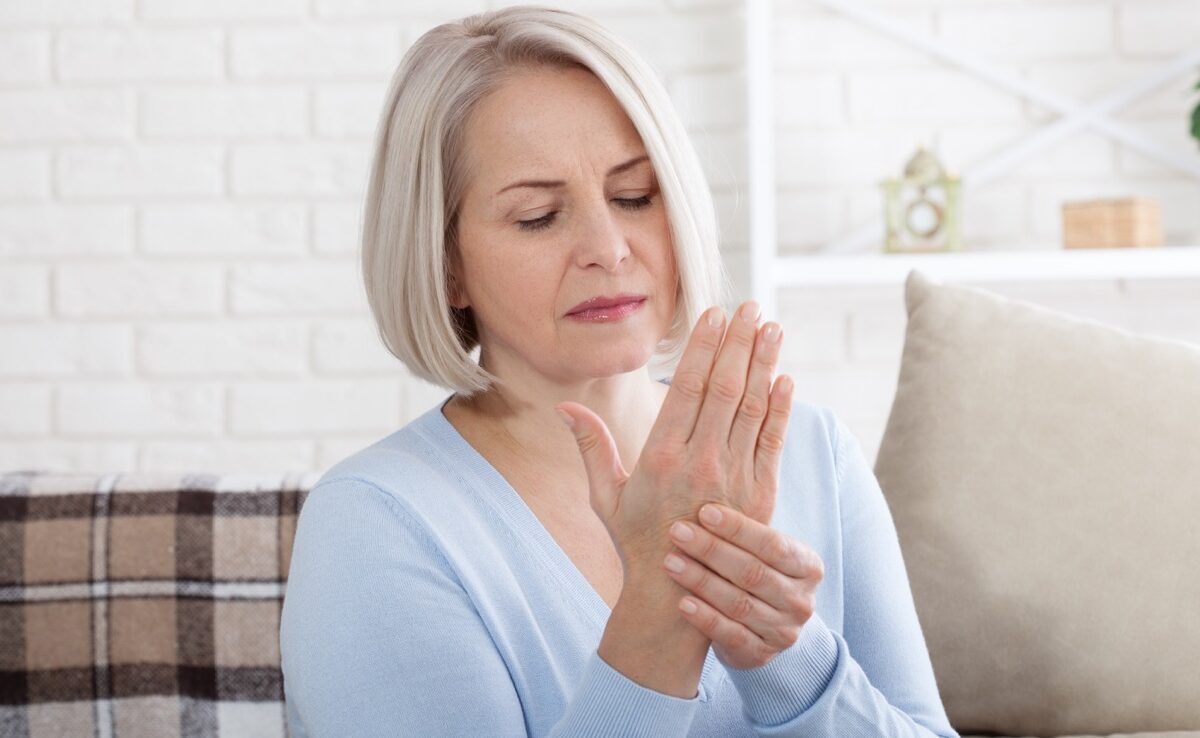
pixel 181 184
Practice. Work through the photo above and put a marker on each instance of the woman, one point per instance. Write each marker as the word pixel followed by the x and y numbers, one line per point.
pixel 482 571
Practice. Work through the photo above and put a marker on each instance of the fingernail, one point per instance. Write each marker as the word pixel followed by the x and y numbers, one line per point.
pixel 785 384
pixel 771 332
pixel 749 312
pixel 567 419
pixel 710 515
pixel 674 563
pixel 688 606
pixel 682 531
pixel 715 317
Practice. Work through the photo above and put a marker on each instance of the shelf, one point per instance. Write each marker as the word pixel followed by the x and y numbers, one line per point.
pixel 987 266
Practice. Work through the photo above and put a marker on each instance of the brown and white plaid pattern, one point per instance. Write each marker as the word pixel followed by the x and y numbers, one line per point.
pixel 144 604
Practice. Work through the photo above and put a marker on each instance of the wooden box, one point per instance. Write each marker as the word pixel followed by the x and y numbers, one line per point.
pixel 1128 222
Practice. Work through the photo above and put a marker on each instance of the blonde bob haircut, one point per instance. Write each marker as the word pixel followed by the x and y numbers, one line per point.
pixel 418 179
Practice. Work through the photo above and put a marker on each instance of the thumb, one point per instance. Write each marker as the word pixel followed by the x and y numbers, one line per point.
pixel 605 473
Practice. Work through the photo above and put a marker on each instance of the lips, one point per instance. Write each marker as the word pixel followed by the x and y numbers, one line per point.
pixel 603 301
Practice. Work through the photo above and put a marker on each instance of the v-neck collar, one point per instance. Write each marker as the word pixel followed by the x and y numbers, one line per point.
pixel 524 521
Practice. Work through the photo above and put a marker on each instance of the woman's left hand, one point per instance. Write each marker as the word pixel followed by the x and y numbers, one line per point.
pixel 753 588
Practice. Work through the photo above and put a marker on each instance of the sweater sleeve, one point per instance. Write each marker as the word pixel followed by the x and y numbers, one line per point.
pixel 378 638
pixel 886 687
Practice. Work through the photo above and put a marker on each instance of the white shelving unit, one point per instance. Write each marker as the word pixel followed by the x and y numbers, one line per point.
pixel 998 266
pixel 770 270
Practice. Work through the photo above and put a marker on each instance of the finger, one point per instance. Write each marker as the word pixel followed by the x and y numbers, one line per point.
pixel 737 604
pixel 774 431
pixel 755 401
pixel 679 411
pixel 776 550
pixel 728 379
pixel 743 648
pixel 742 569
pixel 605 472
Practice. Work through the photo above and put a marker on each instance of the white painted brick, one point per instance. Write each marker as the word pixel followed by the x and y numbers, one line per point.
pixel 722 157
pixel 1177 201
pixel 65 11
pixel 224 348
pixel 876 324
pixel 1036 31
pixel 350 346
pixel 1081 153
pixel 332 450
pixel 809 99
pixel 688 4
pixel 710 100
pixel 310 288
pixel 68 456
pixel 417 396
pixel 1089 81
pixel 913 96
pixel 811 337
pixel 24 174
pixel 994 216
pixel 672 42
pixel 834 42
pixel 26 409
pixel 237 457
pixel 1099 301
pixel 55 115
pixel 1172 134
pixel 24 291
pixel 315 406
pixel 860 391
pixel 337 228
pixel 732 215
pixel 56 230
pixel 132 289
pixel 349 108
pixel 1158 28
pixel 33 350
pixel 806 218
pixel 140 54
pixel 314 52
pixel 236 10
pixel 447 10
pixel 301 169
pixel 224 228
pixel 845 156
pixel 129 171
pixel 133 408
pixel 24 57
pixel 209 111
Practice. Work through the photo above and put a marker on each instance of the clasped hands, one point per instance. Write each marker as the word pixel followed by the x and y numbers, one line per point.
pixel 704 488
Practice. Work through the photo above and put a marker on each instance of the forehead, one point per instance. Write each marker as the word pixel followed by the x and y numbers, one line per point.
pixel 545 116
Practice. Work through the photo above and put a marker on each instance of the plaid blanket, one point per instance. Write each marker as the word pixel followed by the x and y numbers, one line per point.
pixel 144 604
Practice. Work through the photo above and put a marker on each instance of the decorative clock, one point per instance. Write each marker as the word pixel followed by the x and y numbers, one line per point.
pixel 922 207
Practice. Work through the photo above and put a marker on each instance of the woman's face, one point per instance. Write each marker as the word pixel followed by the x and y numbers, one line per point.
pixel 562 206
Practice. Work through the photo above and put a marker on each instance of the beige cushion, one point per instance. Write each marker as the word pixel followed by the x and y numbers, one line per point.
pixel 1044 475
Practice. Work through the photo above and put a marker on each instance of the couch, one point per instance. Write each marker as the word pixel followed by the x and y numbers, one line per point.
pixel 1043 473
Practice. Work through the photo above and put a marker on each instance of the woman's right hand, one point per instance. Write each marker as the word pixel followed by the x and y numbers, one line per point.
pixel 718 438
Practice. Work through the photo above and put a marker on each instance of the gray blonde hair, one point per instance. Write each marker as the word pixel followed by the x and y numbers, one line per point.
pixel 418 178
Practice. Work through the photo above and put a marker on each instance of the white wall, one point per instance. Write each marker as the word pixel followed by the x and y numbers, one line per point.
pixel 180 182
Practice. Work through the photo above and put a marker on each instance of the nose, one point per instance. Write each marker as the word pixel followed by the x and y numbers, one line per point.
pixel 601 240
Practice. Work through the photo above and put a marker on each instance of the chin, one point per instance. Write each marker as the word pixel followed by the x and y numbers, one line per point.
pixel 614 357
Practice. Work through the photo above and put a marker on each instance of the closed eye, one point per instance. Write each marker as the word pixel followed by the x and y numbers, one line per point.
pixel 537 224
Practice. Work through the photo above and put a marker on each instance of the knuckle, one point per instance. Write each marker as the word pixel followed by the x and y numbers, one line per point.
pixel 690 385
pixel 800 603
pixel 770 440
pixel 742 607
pixel 663 460
pixel 710 623
pixel 779 548
pixel 726 389
pixel 763 655
pixel 754 407
pixel 753 575
pixel 707 469
pixel 788 636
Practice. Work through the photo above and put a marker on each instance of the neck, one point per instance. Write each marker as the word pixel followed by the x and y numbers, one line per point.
pixel 518 414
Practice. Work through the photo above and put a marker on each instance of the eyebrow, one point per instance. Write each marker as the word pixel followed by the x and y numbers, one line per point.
pixel 559 183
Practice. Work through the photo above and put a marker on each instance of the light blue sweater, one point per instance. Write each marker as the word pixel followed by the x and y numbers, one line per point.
pixel 425 598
